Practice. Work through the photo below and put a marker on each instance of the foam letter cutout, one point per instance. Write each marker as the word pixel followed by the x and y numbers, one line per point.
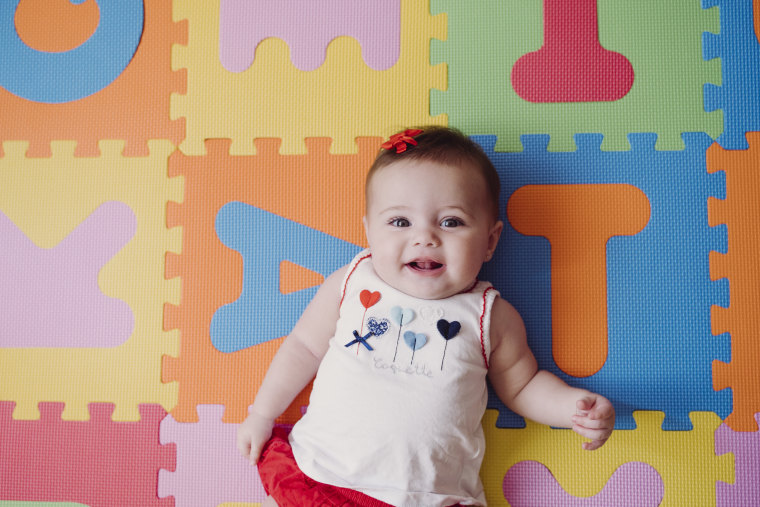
pixel 526 479
pixel 572 66
pixel 56 25
pixel 51 298
pixel 263 312
pixel 308 28
pixel 578 235
pixel 46 77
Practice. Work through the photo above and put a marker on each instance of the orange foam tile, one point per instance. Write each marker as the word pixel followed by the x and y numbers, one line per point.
pixel 740 211
pixel 131 107
pixel 317 189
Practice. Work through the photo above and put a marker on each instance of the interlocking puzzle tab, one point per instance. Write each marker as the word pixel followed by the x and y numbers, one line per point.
pixel 116 92
pixel 530 483
pixel 209 441
pixel 738 48
pixel 61 284
pixel 685 460
pixel 320 191
pixel 739 212
pixel 342 99
pixel 308 28
pixel 658 281
pixel 67 190
pixel 95 462
pixel 571 66
pixel 667 63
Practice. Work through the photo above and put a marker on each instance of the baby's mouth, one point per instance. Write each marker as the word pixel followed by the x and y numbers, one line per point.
pixel 425 265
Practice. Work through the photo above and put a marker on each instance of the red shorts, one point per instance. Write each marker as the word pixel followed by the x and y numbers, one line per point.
pixel 290 487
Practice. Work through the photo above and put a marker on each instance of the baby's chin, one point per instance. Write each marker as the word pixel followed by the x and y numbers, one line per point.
pixel 429 293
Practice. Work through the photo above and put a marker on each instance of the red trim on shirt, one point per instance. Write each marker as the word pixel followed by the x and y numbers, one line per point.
pixel 345 283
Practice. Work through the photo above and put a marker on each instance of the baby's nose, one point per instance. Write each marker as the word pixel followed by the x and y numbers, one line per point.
pixel 425 236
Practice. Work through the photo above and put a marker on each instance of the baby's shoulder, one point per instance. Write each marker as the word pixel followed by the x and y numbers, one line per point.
pixel 506 322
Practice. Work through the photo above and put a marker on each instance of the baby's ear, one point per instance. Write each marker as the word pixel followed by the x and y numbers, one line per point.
pixel 493 238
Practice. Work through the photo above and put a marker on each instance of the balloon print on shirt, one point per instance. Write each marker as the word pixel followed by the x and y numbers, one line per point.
pixel 400 316
pixel 368 300
pixel 414 341
pixel 376 328
pixel 448 330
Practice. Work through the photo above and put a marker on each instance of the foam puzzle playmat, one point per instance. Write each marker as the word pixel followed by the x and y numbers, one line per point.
pixel 177 177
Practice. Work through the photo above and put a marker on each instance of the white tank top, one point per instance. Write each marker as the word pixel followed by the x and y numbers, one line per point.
pixel 396 407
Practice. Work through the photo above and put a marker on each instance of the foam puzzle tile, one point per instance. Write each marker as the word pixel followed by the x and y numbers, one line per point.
pixel 47 199
pixel 571 66
pixel 738 48
pixel 320 191
pixel 77 72
pixel 129 106
pixel 194 483
pixel 660 39
pixel 745 447
pixel 61 284
pixel 530 483
pixel 44 459
pixel 739 212
pixel 308 28
pixel 657 282
pixel 685 460
pixel 273 98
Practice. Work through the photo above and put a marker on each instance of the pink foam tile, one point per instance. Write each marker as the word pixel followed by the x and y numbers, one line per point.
pixel 746 448
pixel 210 470
pixel 308 28
pixel 51 297
pixel 96 462
pixel 531 484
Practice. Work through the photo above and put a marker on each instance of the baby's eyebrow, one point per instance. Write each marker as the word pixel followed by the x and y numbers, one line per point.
pixel 399 207
pixel 458 208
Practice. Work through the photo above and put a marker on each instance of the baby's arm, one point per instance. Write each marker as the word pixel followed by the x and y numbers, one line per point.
pixel 293 367
pixel 537 394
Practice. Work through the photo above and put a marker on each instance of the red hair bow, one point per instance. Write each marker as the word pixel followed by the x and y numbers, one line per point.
pixel 401 140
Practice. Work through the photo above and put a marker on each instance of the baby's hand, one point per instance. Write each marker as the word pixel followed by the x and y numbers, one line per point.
pixel 252 434
pixel 594 419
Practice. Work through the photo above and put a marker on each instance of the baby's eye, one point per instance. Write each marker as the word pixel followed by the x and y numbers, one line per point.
pixel 399 222
pixel 451 222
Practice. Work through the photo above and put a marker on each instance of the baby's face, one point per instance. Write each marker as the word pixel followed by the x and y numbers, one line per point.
pixel 429 226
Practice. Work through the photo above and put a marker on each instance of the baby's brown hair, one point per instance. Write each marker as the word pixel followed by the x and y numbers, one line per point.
pixel 444 145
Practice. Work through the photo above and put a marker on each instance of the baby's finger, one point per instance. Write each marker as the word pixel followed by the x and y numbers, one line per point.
pixel 583 406
pixel 244 448
pixel 592 433
pixel 602 411
pixel 590 422
pixel 593 445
